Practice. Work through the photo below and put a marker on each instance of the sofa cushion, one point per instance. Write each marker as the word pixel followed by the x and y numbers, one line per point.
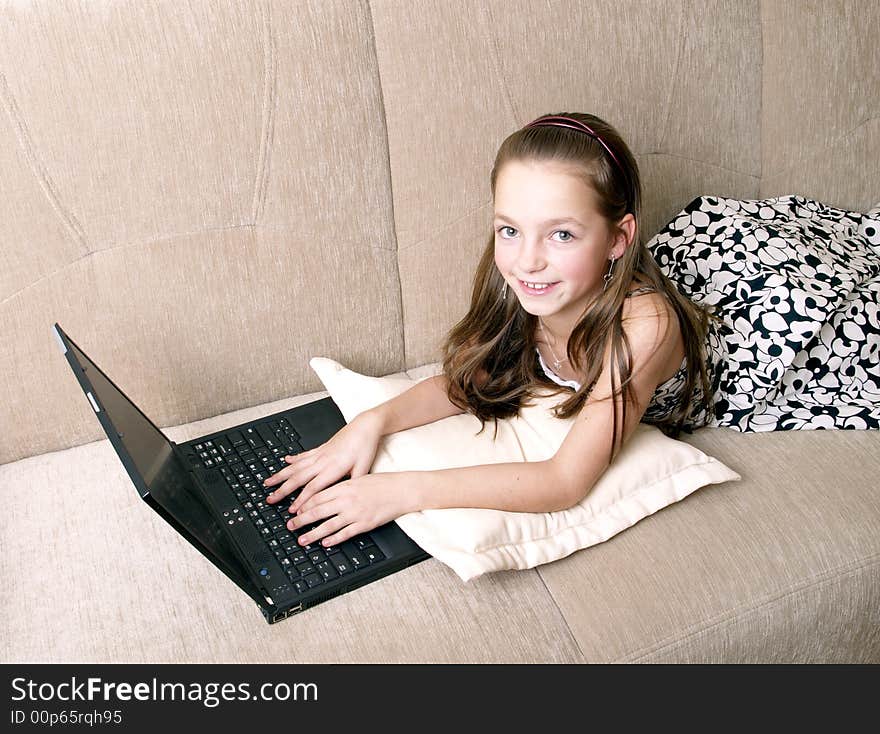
pixel 91 574
pixel 651 472
pixel 781 567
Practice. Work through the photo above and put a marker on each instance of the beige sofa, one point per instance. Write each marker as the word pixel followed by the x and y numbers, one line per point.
pixel 207 194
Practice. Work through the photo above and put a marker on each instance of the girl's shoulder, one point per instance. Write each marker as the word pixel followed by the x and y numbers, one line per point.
pixel 649 318
pixel 645 301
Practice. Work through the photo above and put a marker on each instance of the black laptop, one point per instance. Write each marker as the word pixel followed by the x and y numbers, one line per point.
pixel 210 490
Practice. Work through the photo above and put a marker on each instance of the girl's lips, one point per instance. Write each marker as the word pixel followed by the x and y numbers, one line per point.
pixel 537 291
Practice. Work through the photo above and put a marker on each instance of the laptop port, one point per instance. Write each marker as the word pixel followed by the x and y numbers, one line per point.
pixel 278 616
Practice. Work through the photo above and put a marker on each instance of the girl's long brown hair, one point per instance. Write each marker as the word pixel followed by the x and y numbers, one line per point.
pixel 489 356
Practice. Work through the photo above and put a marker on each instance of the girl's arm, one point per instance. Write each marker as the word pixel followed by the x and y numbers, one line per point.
pixel 425 402
pixel 353 448
pixel 356 506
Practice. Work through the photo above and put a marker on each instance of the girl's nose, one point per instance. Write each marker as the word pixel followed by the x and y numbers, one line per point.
pixel 531 257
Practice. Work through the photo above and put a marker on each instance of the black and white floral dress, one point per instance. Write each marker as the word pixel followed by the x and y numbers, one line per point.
pixel 795 287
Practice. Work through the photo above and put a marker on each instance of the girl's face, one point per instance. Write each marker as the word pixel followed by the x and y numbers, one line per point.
pixel 552 245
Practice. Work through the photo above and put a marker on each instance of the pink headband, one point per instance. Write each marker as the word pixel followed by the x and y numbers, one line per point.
pixel 573 124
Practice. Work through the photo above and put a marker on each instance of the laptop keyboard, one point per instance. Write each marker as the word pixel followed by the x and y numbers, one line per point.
pixel 246 458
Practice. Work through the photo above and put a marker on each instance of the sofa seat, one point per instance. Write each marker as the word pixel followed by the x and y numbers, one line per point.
pixel 93 575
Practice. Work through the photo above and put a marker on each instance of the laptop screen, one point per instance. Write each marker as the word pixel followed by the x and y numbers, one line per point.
pixel 160 472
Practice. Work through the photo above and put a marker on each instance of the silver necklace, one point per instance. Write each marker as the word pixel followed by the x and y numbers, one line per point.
pixel 557 363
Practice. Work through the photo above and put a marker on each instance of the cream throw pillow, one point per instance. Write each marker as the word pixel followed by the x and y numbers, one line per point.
pixel 651 472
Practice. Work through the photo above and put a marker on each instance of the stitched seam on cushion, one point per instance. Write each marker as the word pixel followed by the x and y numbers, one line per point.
pixel 674 82
pixel 494 56
pixel 603 513
pixel 396 248
pixel 760 16
pixel 445 228
pixel 565 621
pixel 702 162
pixel 26 143
pixel 674 640
pixel 156 240
pixel 270 83
pixel 815 154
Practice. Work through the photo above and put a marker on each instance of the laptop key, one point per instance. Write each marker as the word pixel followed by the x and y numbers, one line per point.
pixel 251 436
pixel 300 586
pixel 267 435
pixel 357 560
pixel 313 579
pixel 293 446
pixel 235 438
pixel 298 557
pixel 373 554
pixel 224 446
pixel 327 570
pixel 341 563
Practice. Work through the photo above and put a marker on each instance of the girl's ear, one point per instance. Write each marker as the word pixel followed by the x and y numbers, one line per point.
pixel 624 236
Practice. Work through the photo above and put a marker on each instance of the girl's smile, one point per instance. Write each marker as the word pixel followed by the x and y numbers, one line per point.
pixel 536 288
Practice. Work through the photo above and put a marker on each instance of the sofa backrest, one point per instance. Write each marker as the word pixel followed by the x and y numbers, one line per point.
pixel 207 194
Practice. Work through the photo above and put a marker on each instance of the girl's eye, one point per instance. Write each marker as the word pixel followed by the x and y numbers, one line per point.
pixel 507 232
pixel 564 235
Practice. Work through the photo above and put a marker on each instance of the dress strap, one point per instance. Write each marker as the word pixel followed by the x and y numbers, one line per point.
pixel 641 291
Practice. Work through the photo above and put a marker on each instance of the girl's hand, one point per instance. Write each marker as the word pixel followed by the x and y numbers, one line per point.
pixel 350 451
pixel 353 507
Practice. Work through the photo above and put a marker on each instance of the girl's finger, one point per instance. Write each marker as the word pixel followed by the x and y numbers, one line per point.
pixel 296 479
pixel 317 500
pixel 316 514
pixel 307 491
pixel 346 533
pixel 293 463
pixel 360 468
pixel 317 484
pixel 331 525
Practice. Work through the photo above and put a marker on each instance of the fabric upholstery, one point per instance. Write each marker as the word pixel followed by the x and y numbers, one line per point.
pixel 117 584
pixel 138 149
pixel 480 69
pixel 206 194
pixel 187 192
pixel 820 114
pixel 768 569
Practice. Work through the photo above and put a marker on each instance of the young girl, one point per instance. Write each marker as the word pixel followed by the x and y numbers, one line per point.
pixel 565 296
